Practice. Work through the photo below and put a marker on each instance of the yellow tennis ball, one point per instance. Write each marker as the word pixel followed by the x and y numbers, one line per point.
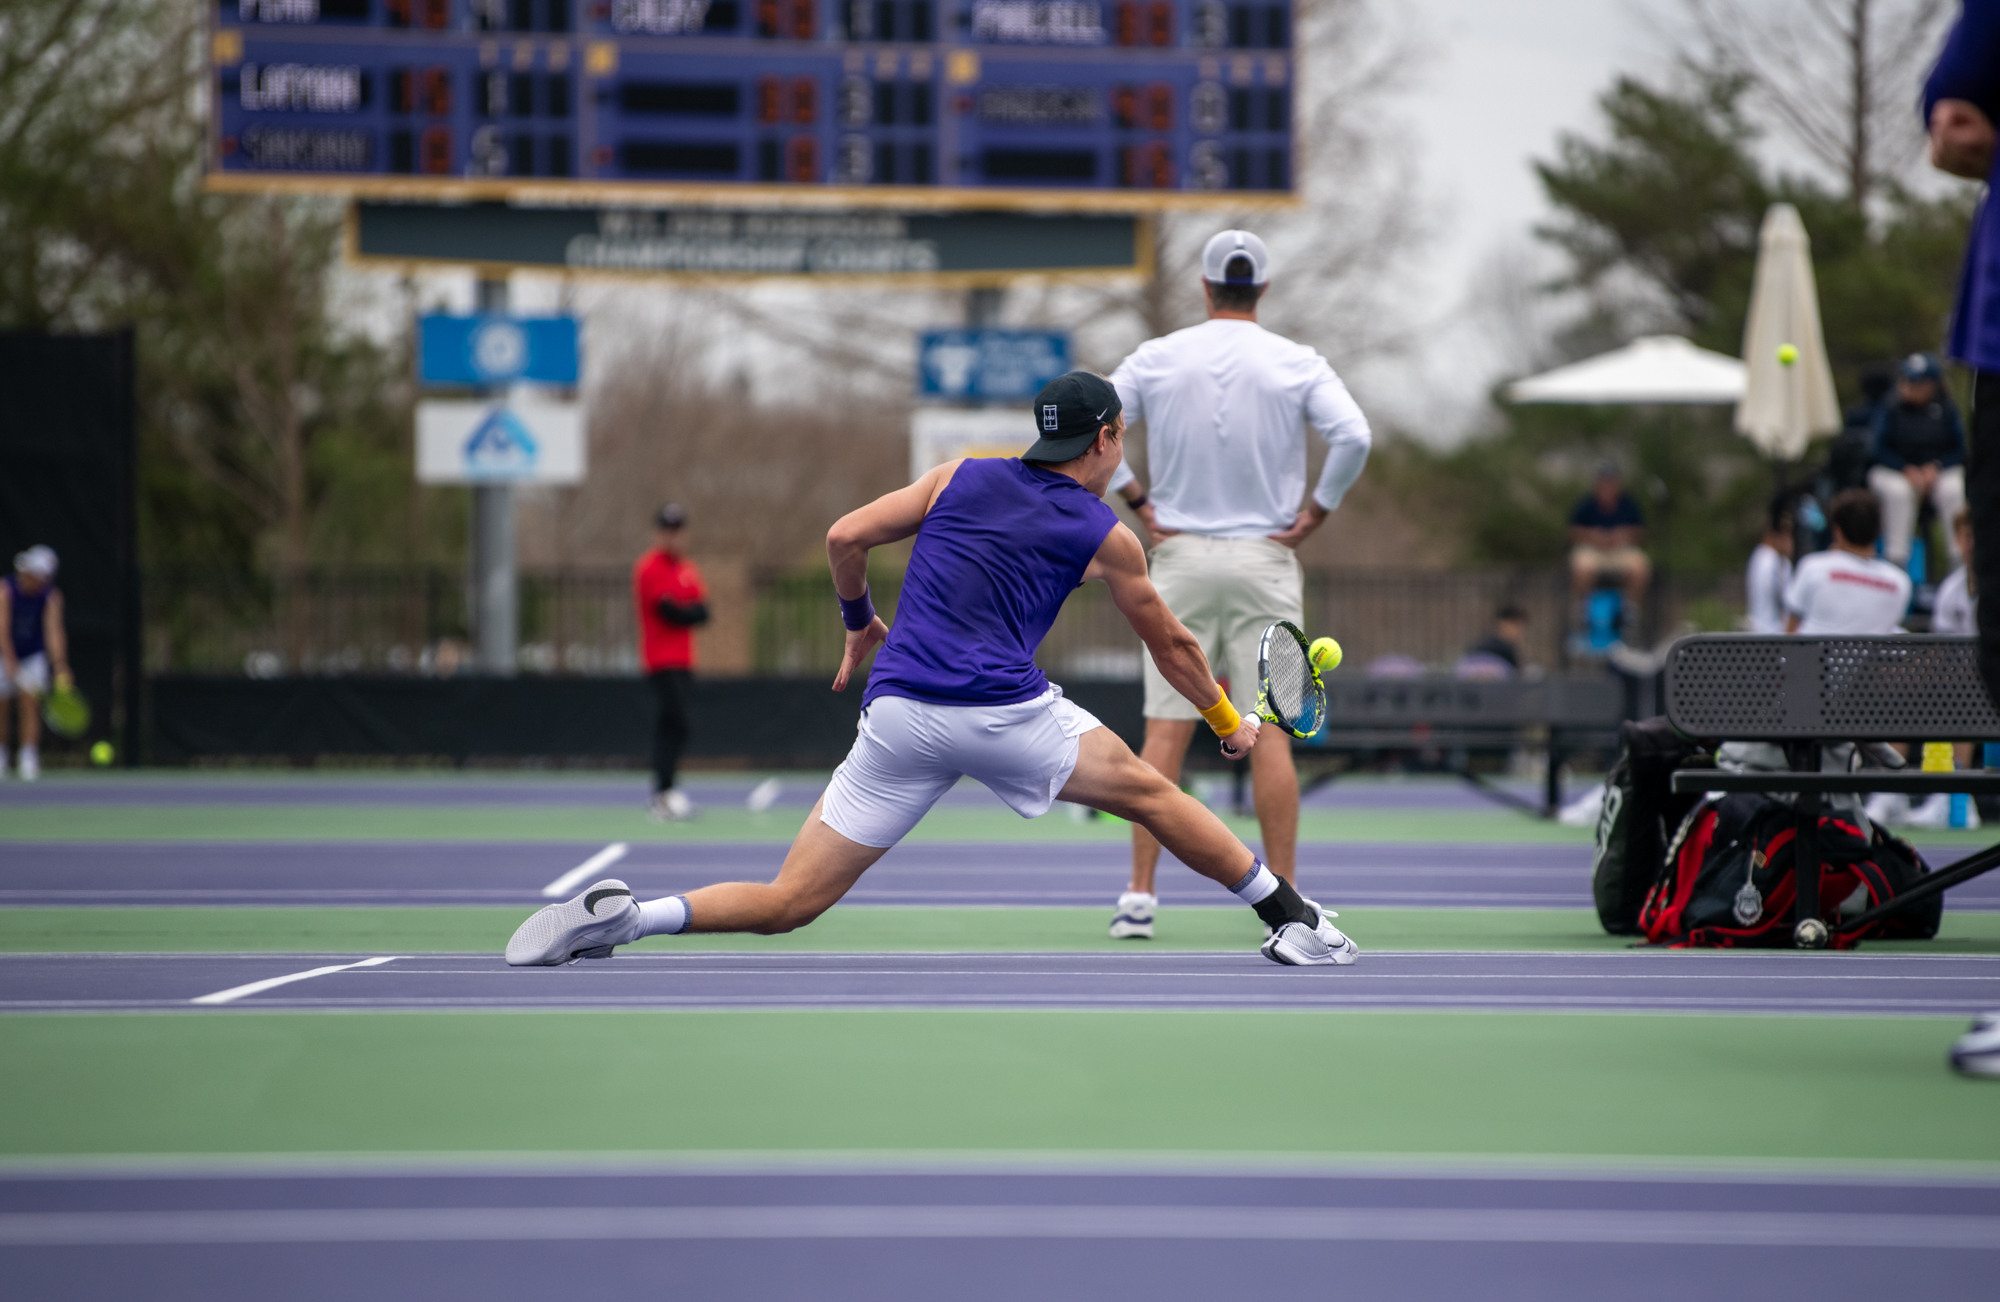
pixel 101 754
pixel 1787 354
pixel 1325 654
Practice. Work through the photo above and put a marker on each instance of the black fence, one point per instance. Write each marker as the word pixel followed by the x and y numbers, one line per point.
pixel 67 480
pixel 767 722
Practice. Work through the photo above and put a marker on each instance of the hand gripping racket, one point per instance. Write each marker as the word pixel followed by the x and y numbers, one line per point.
pixel 1289 691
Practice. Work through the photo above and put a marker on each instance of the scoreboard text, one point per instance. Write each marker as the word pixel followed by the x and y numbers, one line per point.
pixel 1044 99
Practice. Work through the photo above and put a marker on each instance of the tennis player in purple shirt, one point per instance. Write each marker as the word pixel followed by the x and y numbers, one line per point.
pixel 1961 104
pixel 955 692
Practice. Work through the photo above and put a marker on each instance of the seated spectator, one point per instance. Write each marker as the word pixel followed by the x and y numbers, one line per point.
pixel 1845 590
pixel 1919 455
pixel 1498 654
pixel 1956 610
pixel 1770 571
pixel 1604 534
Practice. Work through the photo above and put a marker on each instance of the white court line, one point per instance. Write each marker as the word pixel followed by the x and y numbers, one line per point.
pixel 1566 1225
pixel 238 992
pixel 590 867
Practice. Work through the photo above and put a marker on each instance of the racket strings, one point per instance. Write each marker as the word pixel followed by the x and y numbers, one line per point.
pixel 1290 685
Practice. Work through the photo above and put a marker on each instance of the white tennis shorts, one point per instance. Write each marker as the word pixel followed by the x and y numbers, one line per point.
pixel 909 753
pixel 1227 591
pixel 31 675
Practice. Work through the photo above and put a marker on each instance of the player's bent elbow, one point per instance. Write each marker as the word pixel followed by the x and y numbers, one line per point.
pixel 844 536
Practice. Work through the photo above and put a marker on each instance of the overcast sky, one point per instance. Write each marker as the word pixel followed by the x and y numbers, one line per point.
pixel 1500 81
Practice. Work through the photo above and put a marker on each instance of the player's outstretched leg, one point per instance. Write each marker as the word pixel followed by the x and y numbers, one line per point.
pixel 820 867
pixel 1108 776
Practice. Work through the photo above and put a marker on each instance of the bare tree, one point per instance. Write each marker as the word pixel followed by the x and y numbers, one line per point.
pixel 1356 223
pixel 1338 249
pixel 1840 77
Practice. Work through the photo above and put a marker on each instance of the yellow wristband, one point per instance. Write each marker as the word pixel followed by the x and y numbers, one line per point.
pixel 1222 717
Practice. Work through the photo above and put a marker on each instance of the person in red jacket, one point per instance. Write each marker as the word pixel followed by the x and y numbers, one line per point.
pixel 672 602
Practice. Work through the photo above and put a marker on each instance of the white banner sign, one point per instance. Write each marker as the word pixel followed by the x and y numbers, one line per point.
pixel 941 434
pixel 513 441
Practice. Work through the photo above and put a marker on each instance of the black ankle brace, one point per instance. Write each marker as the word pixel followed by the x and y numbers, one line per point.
pixel 1285 905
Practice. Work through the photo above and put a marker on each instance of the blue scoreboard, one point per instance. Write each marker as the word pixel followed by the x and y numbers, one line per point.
pixel 1091 103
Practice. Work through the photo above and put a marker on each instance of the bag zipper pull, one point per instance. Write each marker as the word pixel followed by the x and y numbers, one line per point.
pixel 1749 906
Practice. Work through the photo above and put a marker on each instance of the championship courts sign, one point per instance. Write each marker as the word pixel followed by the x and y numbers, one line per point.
pixel 943 249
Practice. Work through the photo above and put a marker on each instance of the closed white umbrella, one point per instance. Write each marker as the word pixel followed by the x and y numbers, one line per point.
pixel 1790 396
pixel 1654 369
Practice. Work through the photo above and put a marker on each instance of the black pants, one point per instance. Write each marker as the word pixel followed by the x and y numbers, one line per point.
pixel 1982 500
pixel 670 723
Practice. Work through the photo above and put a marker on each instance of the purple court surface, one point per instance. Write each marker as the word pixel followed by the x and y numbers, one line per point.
pixel 933 874
pixel 1772 983
pixel 1164 1235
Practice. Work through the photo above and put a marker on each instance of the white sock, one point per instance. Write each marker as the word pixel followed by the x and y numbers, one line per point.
pixel 1256 885
pixel 30 753
pixel 667 917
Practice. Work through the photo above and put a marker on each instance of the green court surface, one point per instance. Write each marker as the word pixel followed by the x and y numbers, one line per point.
pixel 1321 1084
pixel 877 929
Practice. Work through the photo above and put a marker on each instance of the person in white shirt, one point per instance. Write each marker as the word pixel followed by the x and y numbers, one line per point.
pixel 1957 608
pixel 1770 571
pixel 1845 590
pixel 1226 404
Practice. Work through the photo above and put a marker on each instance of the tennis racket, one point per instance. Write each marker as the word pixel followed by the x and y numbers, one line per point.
pixel 66 712
pixel 1289 691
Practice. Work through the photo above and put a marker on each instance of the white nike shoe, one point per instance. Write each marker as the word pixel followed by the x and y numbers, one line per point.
pixel 589 926
pixel 1977 1052
pixel 31 764
pixel 1134 919
pixel 1297 945
pixel 670 806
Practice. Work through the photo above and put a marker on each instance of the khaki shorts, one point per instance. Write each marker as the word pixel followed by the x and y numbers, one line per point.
pixel 1606 560
pixel 1227 591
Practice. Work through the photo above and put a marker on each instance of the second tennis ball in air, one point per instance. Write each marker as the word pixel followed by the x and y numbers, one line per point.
pixel 101 754
pixel 1787 354
pixel 1325 654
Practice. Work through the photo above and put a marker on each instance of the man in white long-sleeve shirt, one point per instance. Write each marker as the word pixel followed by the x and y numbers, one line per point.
pixel 1226 406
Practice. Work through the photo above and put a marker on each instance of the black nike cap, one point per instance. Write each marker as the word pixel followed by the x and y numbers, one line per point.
pixel 1069 411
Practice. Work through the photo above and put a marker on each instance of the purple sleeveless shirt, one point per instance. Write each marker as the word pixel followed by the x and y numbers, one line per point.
pixel 1001 550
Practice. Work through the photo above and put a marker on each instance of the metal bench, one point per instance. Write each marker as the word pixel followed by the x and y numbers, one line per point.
pixel 1805 692
pixel 1438 712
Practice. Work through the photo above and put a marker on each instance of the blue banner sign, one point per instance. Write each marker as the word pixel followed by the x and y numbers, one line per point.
pixel 496 350
pixel 989 365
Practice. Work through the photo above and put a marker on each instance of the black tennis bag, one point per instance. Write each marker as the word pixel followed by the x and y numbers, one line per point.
pixel 1640 812
pixel 1731 884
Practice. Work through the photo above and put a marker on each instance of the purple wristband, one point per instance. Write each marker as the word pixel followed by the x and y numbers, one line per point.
pixel 858 613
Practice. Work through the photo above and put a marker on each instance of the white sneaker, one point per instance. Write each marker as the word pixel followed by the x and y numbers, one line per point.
pixel 31 764
pixel 1977 1052
pixel 1134 919
pixel 1297 945
pixel 589 926
pixel 670 806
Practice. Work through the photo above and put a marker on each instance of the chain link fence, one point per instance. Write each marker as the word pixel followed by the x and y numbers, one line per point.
pixel 582 622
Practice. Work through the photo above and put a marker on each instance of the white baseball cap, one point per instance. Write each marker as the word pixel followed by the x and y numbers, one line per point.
pixel 1229 244
pixel 38 561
